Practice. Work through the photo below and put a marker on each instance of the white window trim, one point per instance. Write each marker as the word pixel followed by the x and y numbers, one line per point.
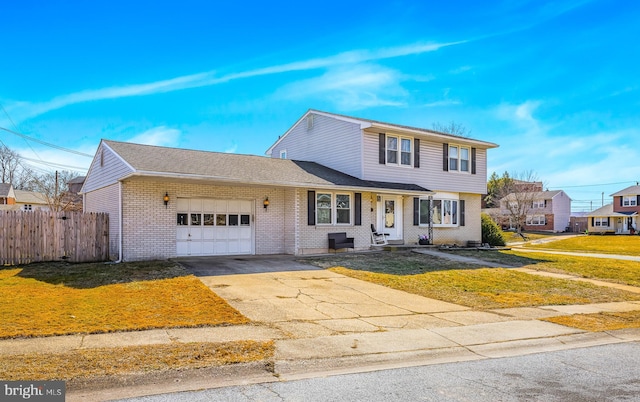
pixel 283 154
pixel 442 225
pixel 600 221
pixel 334 209
pixel 536 220
pixel 399 150
pixel 459 164
pixel 629 201
pixel 537 204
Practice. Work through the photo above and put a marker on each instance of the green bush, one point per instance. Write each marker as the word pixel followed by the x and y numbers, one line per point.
pixel 491 233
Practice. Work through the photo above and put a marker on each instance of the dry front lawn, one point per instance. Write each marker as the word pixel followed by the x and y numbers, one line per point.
pixel 625 245
pixel 60 298
pixel 611 270
pixel 490 288
pixel 91 363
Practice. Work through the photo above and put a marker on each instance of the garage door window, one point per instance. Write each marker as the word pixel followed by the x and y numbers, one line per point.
pixel 182 220
pixel 196 219
pixel 208 219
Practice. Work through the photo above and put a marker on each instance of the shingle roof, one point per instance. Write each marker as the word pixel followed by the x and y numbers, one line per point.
pixel 249 169
pixel 4 189
pixel 539 195
pixel 30 197
pixel 632 190
pixel 607 210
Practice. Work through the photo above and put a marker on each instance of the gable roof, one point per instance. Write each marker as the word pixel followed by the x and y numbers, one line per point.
pixel 631 190
pixel 379 125
pixel 178 163
pixel 5 189
pixel 539 195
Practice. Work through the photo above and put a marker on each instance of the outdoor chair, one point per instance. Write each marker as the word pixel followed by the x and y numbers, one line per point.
pixel 377 238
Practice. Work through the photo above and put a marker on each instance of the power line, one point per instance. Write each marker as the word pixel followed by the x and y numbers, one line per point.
pixel 594 185
pixel 46 143
pixel 53 164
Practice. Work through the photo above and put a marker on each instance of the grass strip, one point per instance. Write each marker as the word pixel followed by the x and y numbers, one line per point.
pixel 92 363
pixel 599 322
pixel 625 245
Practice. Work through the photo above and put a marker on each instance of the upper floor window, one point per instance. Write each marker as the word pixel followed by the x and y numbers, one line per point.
pixel 283 154
pixel 538 204
pixel 629 201
pixel 333 209
pixel 459 158
pixel 399 150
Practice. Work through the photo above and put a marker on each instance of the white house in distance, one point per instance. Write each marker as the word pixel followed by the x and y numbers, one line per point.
pixel 328 173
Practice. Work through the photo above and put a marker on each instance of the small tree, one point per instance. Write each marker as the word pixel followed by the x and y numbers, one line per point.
pixel 491 233
pixel 54 187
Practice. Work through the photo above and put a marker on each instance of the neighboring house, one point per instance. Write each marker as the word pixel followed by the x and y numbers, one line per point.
pixel 620 216
pixel 168 202
pixel 546 211
pixel 15 200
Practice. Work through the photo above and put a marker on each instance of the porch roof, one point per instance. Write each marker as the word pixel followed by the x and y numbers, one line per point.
pixel 607 210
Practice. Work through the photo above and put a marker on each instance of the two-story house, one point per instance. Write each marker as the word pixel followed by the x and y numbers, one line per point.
pixel 620 216
pixel 328 173
pixel 548 211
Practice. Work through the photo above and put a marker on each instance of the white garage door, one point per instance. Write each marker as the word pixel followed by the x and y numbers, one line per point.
pixel 214 227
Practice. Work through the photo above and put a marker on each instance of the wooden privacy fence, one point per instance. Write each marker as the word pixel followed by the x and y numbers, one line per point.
pixel 35 236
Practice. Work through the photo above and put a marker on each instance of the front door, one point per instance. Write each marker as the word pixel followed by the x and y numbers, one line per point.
pixel 390 217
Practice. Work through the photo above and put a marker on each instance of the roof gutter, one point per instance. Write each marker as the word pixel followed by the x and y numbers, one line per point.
pixel 226 180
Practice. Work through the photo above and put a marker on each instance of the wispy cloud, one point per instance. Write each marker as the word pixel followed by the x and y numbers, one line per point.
pixel 21 110
pixel 352 88
pixel 161 136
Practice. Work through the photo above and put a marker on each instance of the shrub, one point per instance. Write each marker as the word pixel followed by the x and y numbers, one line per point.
pixel 491 233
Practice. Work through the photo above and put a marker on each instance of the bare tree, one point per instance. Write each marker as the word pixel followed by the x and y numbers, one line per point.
pixel 451 128
pixel 53 186
pixel 9 164
pixel 516 193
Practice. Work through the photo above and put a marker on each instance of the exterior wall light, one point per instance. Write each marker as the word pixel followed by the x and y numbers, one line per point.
pixel 165 199
pixel 265 203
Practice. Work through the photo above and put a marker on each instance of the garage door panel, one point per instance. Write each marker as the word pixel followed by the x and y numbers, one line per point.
pixel 214 227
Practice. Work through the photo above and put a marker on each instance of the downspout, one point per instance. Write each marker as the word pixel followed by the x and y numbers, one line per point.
pixel 119 222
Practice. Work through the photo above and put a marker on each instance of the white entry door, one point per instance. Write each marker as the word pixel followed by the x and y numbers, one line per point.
pixel 214 227
pixel 390 216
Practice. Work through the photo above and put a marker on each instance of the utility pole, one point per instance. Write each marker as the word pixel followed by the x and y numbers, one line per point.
pixel 603 198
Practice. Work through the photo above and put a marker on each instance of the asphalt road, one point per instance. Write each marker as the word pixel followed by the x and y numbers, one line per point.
pixel 601 373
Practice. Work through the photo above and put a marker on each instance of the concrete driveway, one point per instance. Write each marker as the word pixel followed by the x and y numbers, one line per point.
pixel 304 301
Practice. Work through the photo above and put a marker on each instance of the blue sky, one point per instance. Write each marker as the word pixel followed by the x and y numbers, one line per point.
pixel 554 83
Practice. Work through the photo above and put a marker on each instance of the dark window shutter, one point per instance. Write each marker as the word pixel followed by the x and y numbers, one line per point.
pixel 445 157
pixel 358 209
pixel 473 161
pixel 382 146
pixel 311 208
pixel 593 221
pixel 461 212
pixel 416 211
pixel 416 152
pixel 545 203
pixel 608 221
pixel 638 200
pixel 620 201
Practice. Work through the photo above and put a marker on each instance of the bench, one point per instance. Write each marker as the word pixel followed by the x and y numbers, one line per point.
pixel 340 240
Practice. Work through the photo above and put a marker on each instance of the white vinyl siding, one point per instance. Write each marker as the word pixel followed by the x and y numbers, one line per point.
pixel 106 168
pixel 430 174
pixel 330 142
